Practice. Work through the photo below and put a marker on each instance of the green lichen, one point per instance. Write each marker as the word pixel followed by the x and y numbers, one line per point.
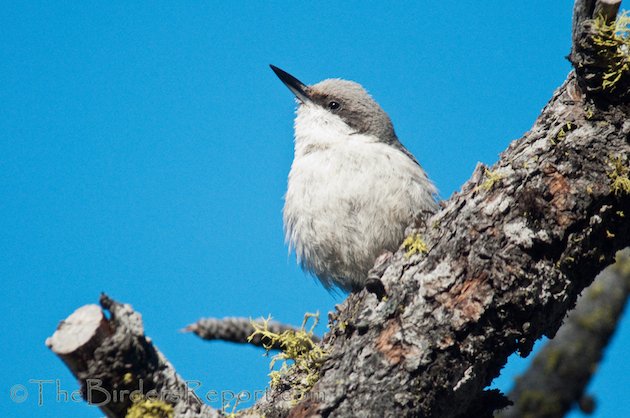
pixel 553 360
pixel 147 408
pixel 596 290
pixel 618 175
pixel 562 133
pixel 614 42
pixel 492 178
pixel 537 403
pixel 127 378
pixel 414 244
pixel 298 347
pixel 588 112
pixel 622 264
pixel 601 318
pixel 230 414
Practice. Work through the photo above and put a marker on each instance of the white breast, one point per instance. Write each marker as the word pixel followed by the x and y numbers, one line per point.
pixel 349 198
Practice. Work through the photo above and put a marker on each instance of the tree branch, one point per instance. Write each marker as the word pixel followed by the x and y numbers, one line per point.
pixel 238 330
pixel 118 366
pixel 559 374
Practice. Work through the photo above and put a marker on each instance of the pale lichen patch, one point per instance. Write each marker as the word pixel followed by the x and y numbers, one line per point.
pixel 500 204
pixel 439 279
pixel 518 233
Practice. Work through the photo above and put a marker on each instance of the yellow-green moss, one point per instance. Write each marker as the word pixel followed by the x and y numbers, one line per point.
pixel 595 290
pixel 230 414
pixel 414 244
pixel 147 408
pixel 553 360
pixel 127 378
pixel 618 175
pixel 536 403
pixel 614 40
pixel 562 133
pixel 622 264
pixel 597 319
pixel 588 112
pixel 296 346
pixel 492 177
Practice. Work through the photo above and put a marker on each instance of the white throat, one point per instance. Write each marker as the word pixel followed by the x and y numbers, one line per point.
pixel 317 129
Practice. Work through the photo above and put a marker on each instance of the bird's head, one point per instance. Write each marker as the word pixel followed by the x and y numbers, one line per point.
pixel 338 104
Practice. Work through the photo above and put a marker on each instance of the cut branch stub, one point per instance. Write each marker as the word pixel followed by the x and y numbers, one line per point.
pixel 79 335
pixel 118 366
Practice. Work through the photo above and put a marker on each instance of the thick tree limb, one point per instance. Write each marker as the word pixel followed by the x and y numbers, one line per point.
pixel 238 330
pixel 118 366
pixel 508 256
pixel 559 374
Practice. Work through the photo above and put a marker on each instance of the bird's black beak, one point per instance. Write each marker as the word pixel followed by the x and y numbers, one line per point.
pixel 296 86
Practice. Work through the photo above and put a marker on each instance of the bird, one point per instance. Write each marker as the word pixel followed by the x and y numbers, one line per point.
pixel 353 188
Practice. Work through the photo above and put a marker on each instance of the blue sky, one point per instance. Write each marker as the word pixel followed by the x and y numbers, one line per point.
pixel 144 150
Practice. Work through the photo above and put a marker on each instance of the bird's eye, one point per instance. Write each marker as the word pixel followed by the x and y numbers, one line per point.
pixel 333 105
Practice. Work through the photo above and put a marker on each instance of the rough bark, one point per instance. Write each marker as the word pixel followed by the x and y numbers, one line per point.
pixel 239 330
pixel 556 380
pixel 508 256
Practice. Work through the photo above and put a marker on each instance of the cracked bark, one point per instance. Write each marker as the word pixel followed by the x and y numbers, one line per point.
pixel 508 256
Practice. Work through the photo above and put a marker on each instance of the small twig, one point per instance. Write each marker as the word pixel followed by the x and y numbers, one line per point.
pixel 237 330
